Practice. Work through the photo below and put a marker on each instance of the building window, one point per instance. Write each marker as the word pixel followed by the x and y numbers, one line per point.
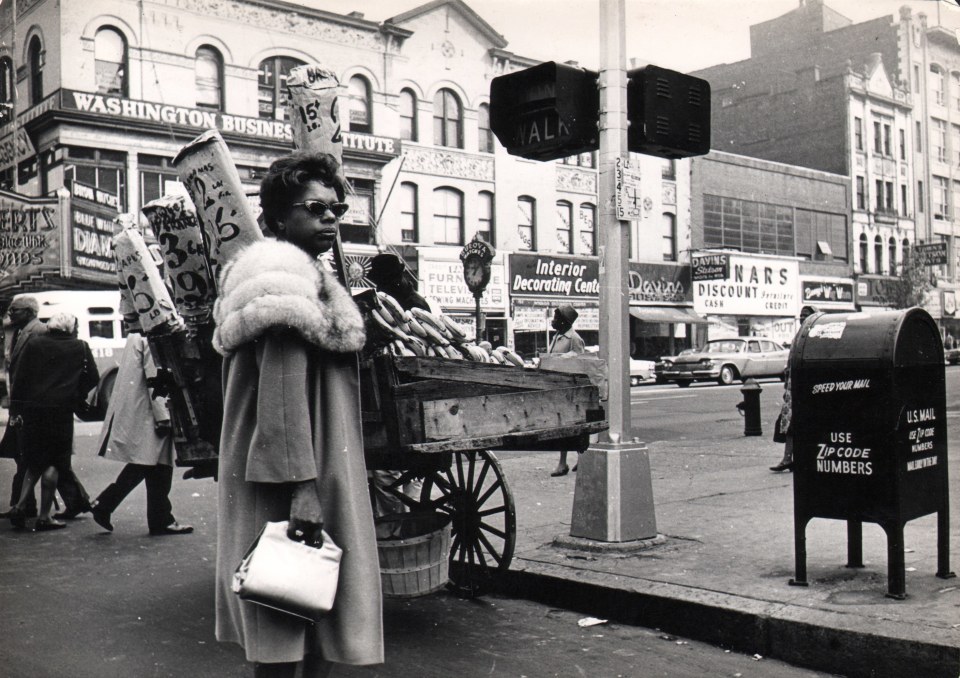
pixel 527 222
pixel 100 168
pixel 668 227
pixel 937 82
pixel 448 216
pixel 920 197
pixel 762 227
pixel 858 133
pixel 359 118
pixel 208 70
pixel 485 134
pixel 940 140
pixel 485 217
pixel 878 254
pixel 941 208
pixel 879 194
pixel 903 200
pixel 916 78
pixel 887 141
pixel 903 144
pixel 955 89
pixel 356 224
pixel 864 254
pixel 272 86
pixel 918 140
pixel 408 212
pixel 668 168
pixel 158 177
pixel 888 197
pixel 447 119
pixel 408 115
pixel 905 251
pixel 110 62
pixel 861 194
pixel 35 59
pixel 564 227
pixel 6 90
pixel 588 228
pixel 955 141
pixel 580 160
pixel 892 255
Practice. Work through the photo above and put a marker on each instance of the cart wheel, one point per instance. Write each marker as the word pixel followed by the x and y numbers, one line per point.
pixel 474 493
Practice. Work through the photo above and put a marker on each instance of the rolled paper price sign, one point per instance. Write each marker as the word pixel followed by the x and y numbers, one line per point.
pixel 141 283
pixel 127 309
pixel 174 222
pixel 312 110
pixel 211 178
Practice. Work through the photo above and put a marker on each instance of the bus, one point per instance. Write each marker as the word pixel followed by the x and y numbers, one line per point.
pixel 99 324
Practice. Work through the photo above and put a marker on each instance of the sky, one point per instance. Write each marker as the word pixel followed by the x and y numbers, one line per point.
pixel 682 35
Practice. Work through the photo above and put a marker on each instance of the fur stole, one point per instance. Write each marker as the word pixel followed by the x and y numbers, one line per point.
pixel 275 285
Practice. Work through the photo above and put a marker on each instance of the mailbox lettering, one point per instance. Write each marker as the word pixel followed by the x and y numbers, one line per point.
pixel 915 416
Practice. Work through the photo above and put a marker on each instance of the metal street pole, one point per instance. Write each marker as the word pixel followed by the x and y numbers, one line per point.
pixel 14 101
pixel 613 500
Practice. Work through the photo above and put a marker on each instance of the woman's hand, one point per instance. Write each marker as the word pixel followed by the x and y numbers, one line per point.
pixel 306 515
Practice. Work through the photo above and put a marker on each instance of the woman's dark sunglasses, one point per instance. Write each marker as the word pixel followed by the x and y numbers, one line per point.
pixel 318 207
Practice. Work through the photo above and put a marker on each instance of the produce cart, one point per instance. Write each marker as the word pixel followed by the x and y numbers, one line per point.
pixel 439 420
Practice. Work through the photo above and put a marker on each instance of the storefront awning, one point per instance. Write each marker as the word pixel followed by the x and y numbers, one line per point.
pixel 667 314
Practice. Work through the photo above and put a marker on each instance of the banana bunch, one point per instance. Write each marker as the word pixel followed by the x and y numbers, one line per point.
pixel 420 333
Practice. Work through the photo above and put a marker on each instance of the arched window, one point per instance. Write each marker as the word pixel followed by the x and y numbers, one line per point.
pixel 669 232
pixel 905 251
pixel 208 74
pixel 485 217
pixel 588 229
pixel 447 120
pixel 938 83
pixel 272 86
pixel 408 115
pixel 527 222
pixel 36 57
pixel 409 216
pixel 892 255
pixel 878 254
pixel 864 254
pixel 564 227
pixel 110 61
pixel 448 216
pixel 360 118
pixel 6 89
pixel 483 129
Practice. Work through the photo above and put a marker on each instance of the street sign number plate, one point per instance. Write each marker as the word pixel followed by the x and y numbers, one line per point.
pixel 628 191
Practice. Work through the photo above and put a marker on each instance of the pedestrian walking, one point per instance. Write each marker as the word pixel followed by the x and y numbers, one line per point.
pixel 291 445
pixel 54 372
pixel 137 431
pixel 566 340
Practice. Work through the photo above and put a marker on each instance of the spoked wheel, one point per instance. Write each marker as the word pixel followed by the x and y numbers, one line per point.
pixel 475 494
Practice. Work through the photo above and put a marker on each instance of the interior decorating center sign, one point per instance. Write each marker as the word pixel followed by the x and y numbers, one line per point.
pixel 753 286
pixel 543 276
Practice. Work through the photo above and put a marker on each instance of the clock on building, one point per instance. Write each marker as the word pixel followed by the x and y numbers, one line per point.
pixel 476 257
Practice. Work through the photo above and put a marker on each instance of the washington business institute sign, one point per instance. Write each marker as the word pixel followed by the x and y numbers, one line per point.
pixel 754 286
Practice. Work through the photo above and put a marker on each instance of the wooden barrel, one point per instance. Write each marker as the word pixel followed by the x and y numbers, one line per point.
pixel 414 549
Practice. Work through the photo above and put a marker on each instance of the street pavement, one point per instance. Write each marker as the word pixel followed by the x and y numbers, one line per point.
pixel 81 602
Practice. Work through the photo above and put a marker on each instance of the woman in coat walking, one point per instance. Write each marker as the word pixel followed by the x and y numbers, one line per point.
pixel 136 430
pixel 291 446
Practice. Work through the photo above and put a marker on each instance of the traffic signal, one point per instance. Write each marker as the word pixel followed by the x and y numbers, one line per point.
pixel 546 112
pixel 669 113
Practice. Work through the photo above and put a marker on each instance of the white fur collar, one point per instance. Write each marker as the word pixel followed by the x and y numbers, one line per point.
pixel 274 284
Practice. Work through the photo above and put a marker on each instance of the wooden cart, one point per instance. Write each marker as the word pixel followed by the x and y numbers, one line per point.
pixel 439 420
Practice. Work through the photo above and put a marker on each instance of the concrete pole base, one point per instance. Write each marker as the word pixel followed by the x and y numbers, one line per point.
pixel 613 497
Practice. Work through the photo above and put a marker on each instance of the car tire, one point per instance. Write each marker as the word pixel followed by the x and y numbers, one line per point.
pixel 634 381
pixel 727 375
pixel 683 384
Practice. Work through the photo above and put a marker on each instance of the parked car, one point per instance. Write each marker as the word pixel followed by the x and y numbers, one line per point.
pixel 641 371
pixel 724 361
pixel 953 356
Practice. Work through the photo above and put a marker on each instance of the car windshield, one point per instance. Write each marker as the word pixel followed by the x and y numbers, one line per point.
pixel 723 347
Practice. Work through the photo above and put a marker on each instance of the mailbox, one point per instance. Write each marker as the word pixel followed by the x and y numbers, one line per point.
pixel 870 431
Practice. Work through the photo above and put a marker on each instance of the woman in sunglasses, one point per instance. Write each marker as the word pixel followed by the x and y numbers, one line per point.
pixel 291 443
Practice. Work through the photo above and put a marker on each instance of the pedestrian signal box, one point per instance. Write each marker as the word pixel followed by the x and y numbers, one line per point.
pixel 546 112
pixel 669 113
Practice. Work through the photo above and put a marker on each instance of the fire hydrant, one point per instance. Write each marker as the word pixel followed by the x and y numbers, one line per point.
pixel 749 408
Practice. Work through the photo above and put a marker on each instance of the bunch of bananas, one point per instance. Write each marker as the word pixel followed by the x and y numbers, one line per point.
pixel 420 333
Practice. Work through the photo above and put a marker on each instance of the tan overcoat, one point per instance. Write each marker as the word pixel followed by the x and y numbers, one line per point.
pixel 289 333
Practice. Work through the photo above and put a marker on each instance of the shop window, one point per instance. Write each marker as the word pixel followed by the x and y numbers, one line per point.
pixel 6 90
pixel 668 226
pixel 360 116
pixel 408 115
pixel 485 217
pixel 409 216
pixel 208 70
pixel 564 227
pixel 36 58
pixel 272 86
pixel 110 61
pixel 158 177
pixel 355 224
pixel 588 228
pixel 484 132
pixel 527 223
pixel 101 168
pixel 447 119
pixel 864 254
pixel 448 216
pixel 878 254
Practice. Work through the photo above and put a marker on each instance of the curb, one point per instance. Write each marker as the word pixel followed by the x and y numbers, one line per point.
pixel 814 639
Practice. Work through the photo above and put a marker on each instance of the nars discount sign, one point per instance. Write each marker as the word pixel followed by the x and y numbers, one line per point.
pixel 759 286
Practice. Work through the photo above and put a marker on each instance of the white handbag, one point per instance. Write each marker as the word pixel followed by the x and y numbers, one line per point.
pixel 287 575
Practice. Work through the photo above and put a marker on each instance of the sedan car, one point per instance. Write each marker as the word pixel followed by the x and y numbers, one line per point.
pixel 724 361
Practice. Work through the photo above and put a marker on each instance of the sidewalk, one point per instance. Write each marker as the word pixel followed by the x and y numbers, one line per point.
pixel 721 575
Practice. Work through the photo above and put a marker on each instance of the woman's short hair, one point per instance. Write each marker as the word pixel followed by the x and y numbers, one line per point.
pixel 65 322
pixel 287 176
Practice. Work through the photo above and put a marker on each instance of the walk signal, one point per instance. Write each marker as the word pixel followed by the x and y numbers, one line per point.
pixel 669 113
pixel 546 112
